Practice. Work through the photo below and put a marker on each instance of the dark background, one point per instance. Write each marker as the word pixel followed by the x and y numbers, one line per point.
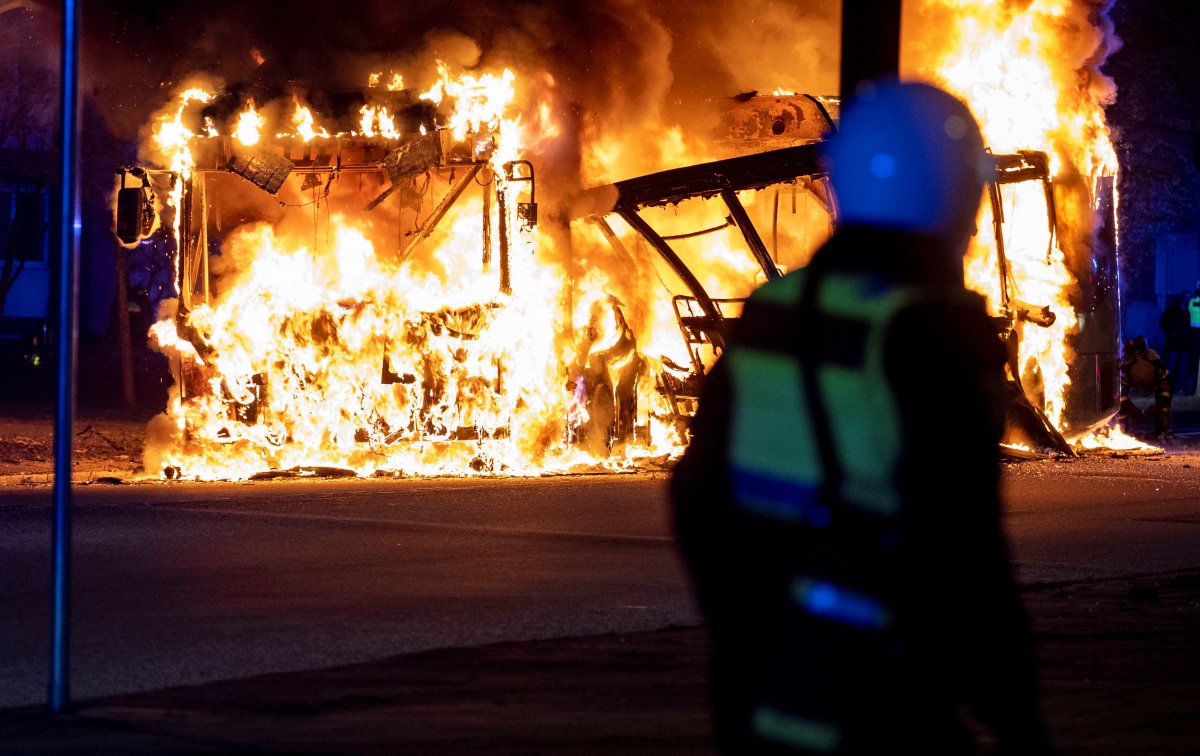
pixel 1156 130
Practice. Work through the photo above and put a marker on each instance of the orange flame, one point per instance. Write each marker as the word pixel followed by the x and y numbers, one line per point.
pixel 249 125
pixel 305 124
pixel 1007 62
pixel 377 122
pixel 1112 438
pixel 304 320
pixel 480 377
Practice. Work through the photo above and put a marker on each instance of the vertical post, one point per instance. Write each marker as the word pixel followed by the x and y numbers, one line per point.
pixel 870 42
pixel 487 224
pixel 125 339
pixel 202 178
pixel 60 688
pixel 187 276
pixel 502 207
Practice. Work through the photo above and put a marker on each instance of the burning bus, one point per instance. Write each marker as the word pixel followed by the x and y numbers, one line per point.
pixel 775 206
pixel 370 299
pixel 390 284
pixel 426 336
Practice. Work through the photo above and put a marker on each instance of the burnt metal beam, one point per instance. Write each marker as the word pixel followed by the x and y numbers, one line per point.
pixel 750 233
pixel 703 180
pixel 502 209
pixel 614 241
pixel 487 228
pixel 635 221
pixel 1021 166
pixel 870 43
pixel 442 208
pixel 998 234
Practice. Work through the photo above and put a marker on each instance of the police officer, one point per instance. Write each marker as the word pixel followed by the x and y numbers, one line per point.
pixel 838 508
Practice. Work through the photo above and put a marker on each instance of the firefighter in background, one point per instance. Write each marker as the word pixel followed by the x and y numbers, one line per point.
pixel 839 512
pixel 1142 368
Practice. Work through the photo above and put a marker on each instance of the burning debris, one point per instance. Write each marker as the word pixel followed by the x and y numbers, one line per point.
pixel 372 290
pixel 374 299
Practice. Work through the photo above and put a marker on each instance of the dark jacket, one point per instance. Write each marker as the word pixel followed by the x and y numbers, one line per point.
pixel 961 637
pixel 1174 324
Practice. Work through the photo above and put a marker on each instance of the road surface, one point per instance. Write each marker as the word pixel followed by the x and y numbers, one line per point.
pixel 184 583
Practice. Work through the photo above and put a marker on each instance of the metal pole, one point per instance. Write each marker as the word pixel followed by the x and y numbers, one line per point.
pixel 870 42
pixel 69 228
pixel 124 338
pixel 502 208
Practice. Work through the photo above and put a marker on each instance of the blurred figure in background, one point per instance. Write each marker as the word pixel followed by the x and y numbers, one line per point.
pixel 838 509
pixel 1174 323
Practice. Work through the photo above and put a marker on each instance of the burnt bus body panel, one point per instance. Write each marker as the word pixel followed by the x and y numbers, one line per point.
pixel 704 321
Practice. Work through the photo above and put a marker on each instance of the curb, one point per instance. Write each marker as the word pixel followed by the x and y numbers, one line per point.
pixel 78 477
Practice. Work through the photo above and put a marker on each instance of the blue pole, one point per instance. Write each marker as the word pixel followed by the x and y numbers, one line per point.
pixel 68 296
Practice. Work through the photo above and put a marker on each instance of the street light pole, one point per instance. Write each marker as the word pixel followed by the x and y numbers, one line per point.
pixel 68 296
pixel 870 43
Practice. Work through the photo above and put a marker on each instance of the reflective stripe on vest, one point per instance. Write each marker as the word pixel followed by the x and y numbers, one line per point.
pixel 775 462
pixel 772 724
pixel 821 598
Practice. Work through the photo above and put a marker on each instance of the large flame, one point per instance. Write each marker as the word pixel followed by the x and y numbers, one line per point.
pixel 326 343
pixel 1028 72
pixel 324 349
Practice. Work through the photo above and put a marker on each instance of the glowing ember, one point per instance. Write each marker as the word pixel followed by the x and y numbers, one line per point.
pixel 1112 438
pixel 1017 447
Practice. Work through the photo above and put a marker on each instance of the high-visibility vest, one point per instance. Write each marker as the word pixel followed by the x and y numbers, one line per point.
pixel 773 455
pixel 775 462
pixel 1194 312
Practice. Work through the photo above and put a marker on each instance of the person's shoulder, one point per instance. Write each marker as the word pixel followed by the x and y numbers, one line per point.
pixel 950 303
pixel 953 320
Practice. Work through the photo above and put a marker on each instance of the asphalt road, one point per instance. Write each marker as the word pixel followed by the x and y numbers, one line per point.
pixel 178 584
pixel 1102 517
pixel 183 583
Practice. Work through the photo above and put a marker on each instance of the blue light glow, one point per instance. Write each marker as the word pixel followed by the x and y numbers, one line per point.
pixel 821 598
pixel 883 166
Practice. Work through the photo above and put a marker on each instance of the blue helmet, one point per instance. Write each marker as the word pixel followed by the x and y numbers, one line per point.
pixel 908 156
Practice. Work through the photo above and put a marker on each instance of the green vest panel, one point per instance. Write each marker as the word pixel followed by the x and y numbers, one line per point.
pixel 774 458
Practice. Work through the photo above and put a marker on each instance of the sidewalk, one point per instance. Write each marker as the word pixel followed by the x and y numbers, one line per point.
pixel 105 448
